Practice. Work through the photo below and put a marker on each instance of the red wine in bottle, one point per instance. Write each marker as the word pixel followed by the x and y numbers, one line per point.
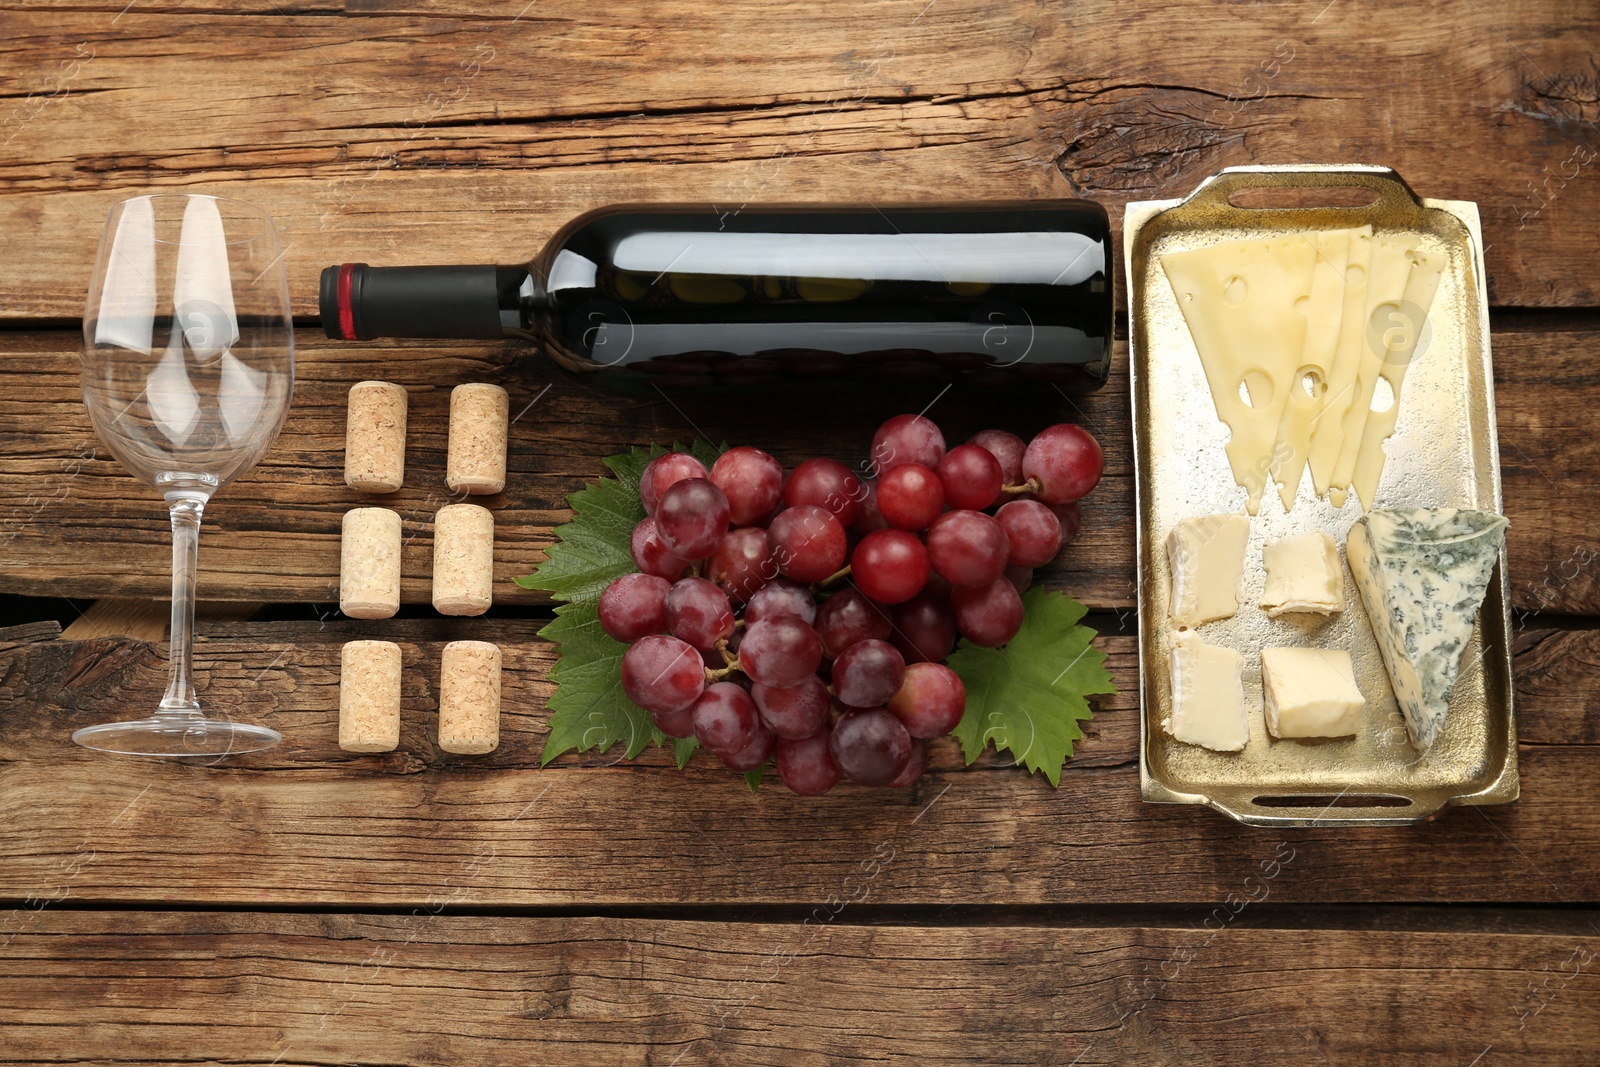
pixel 684 296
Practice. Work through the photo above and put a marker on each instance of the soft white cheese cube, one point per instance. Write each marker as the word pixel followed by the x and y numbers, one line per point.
pixel 1310 692
pixel 1207 696
pixel 1206 555
pixel 1303 575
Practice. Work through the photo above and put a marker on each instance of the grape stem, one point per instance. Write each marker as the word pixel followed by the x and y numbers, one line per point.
pixel 1030 486
pixel 838 575
pixel 728 658
pixel 721 673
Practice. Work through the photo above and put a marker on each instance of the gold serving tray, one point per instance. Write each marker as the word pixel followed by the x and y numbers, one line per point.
pixel 1443 453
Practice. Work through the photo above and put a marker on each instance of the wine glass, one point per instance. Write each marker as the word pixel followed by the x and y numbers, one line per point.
pixel 188 366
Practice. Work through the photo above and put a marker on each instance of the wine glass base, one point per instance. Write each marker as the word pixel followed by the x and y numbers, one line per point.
pixel 177 736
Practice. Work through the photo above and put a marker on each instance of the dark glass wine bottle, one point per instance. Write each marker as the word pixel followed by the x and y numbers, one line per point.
pixel 689 297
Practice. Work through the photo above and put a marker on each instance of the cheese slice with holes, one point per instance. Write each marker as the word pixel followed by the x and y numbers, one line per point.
pixel 1402 328
pixel 1327 430
pixel 1241 301
pixel 1386 289
pixel 1324 310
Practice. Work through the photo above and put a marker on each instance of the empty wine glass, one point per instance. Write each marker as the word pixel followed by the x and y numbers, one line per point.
pixel 188 367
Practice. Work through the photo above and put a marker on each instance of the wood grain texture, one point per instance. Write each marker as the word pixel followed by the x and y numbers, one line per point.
pixel 305 823
pixel 81 527
pixel 448 132
pixel 161 987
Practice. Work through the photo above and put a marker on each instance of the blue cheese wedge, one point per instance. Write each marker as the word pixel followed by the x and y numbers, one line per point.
pixel 1422 574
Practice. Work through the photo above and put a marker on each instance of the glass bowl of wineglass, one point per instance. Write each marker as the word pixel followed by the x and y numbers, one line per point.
pixel 188 369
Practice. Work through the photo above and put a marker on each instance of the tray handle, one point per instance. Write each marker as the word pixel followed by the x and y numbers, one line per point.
pixel 1393 194
pixel 1311 810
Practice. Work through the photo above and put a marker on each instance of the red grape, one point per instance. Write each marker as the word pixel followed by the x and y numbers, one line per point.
pixel 868 674
pixel 633 606
pixel 1019 577
pixel 907 439
pixel 807 543
pixel 870 746
pixel 753 755
pixel 967 548
pixel 910 497
pixel 924 628
pixel 988 615
pixel 698 612
pixel 1065 460
pixel 914 767
pixel 870 519
pixel 725 718
pixel 1007 448
pixel 1071 518
pixel 796 711
pixel 847 617
pixel 662 674
pixel 653 557
pixel 889 566
pixel 779 652
pixel 1032 530
pixel 678 723
pixel 781 597
pixel 692 518
pixel 751 480
pixel 930 701
pixel 806 765
pixel 826 483
pixel 971 477
pixel 661 472
pixel 742 563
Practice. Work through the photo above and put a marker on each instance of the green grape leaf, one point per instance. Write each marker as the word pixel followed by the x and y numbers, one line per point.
pixel 1029 696
pixel 682 749
pixel 588 709
pixel 752 779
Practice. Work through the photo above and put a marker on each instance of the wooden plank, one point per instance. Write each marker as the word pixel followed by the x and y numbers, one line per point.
pixel 146 620
pixel 274 535
pixel 83 527
pixel 302 989
pixel 308 824
pixel 416 131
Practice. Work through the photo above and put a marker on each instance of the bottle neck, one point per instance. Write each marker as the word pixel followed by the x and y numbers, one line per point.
pixel 360 303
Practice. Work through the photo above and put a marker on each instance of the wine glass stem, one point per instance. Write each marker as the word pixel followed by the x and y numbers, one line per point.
pixel 180 700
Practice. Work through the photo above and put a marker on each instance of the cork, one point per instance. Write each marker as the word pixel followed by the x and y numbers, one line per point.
pixel 477 458
pixel 369 696
pixel 375 437
pixel 463 559
pixel 369 564
pixel 469 697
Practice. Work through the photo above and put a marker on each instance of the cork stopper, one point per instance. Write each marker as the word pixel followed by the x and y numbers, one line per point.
pixel 463 560
pixel 478 425
pixel 375 437
pixel 469 697
pixel 369 563
pixel 369 696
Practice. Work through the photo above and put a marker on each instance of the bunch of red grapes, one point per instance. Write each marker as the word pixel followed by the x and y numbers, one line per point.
pixel 805 618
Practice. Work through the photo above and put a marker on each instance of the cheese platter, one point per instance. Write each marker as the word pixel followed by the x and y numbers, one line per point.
pixel 1325 631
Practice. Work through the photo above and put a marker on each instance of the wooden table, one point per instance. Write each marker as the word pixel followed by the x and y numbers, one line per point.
pixel 305 906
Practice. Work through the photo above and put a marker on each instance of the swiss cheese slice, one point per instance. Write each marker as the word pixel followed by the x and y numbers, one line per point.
pixel 1309 389
pixel 1402 330
pixel 1242 303
pixel 1328 430
pixel 1386 288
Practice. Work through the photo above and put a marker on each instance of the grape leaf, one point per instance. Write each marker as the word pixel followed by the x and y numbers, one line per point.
pixel 1029 696
pixel 588 709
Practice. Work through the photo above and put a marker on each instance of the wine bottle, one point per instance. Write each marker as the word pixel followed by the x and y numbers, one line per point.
pixel 687 297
